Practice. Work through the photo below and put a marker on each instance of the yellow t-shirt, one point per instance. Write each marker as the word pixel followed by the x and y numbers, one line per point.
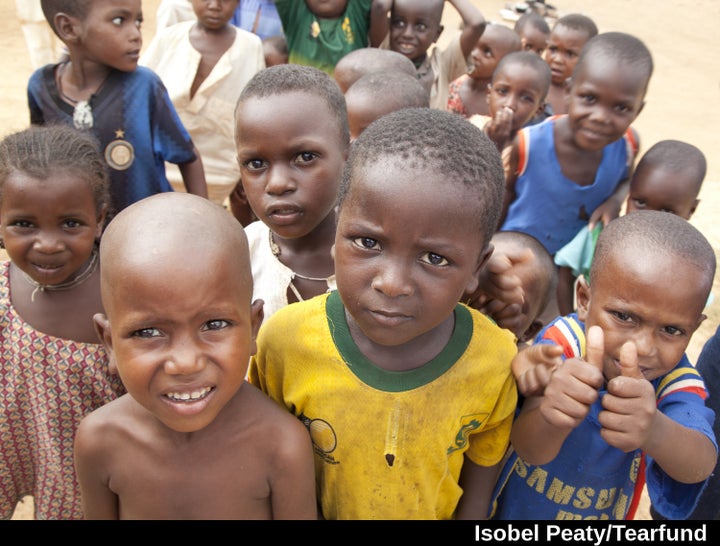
pixel 389 445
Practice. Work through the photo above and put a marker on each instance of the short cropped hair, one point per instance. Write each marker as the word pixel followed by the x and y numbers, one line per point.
pixel 655 231
pixel 398 89
pixel 621 47
pixel 74 8
pixel 289 78
pixel 365 60
pixel 676 156
pixel 530 61
pixel 40 151
pixel 533 19
pixel 504 33
pixel 438 141
pixel 578 21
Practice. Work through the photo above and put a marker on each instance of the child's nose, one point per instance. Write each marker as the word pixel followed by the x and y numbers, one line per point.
pixel 185 358
pixel 279 181
pixel 48 242
pixel 392 279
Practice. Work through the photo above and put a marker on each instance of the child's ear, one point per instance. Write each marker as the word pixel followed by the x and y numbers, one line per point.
pixel 104 332
pixel 102 215
pixel 642 105
pixel 474 282
pixel 693 208
pixel 439 32
pixel 256 317
pixel 67 27
pixel 582 296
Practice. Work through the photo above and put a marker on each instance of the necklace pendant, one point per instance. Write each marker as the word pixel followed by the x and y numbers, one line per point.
pixel 83 116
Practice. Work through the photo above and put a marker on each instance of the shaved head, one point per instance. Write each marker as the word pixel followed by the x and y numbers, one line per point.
pixel 168 233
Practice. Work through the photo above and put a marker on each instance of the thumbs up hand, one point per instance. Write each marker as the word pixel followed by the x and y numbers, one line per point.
pixel 629 407
pixel 574 385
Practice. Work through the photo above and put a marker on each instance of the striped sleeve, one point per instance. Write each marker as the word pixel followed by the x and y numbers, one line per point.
pixel 682 379
pixel 566 332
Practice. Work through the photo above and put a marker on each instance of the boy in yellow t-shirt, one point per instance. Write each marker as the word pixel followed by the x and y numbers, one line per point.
pixel 407 394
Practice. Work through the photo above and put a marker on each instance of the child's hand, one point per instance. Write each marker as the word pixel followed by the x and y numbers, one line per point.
pixel 629 407
pixel 499 128
pixel 574 385
pixel 533 367
pixel 500 295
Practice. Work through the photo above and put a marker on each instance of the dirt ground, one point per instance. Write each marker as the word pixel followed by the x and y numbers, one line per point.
pixel 681 103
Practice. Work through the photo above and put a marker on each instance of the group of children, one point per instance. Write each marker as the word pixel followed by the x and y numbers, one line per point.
pixel 373 347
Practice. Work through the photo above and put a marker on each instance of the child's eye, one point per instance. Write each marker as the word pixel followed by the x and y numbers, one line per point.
pixel 421 27
pixel 139 22
pixel 21 224
pixel 398 23
pixel 527 98
pixel 72 223
pixel 487 52
pixel 367 243
pixel 623 108
pixel 146 332
pixel 216 324
pixel 639 203
pixel 673 331
pixel 434 259
pixel 588 99
pixel 254 164
pixel 306 157
pixel 117 21
pixel 622 317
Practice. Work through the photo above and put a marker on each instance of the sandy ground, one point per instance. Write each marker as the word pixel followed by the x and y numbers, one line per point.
pixel 681 102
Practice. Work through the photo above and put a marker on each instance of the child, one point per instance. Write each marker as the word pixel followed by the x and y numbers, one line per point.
pixel 205 63
pixel 53 203
pixel 257 16
pixel 275 50
pixel 320 32
pixel 668 178
pixel 468 94
pixel 415 26
pixel 362 61
pixel 101 88
pixel 516 93
pixel 379 93
pixel 625 405
pixel 191 439
pixel 534 32
pixel 573 170
pixel 567 38
pixel 292 141
pixel 406 393
pixel 538 278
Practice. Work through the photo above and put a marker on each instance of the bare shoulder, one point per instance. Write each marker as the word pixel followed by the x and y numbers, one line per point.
pixel 266 418
pixel 111 424
pixel 265 410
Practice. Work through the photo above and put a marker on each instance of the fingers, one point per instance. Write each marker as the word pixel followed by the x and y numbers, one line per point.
pixel 629 361
pixel 595 347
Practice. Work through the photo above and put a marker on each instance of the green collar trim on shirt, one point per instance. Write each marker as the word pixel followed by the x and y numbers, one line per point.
pixel 391 381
